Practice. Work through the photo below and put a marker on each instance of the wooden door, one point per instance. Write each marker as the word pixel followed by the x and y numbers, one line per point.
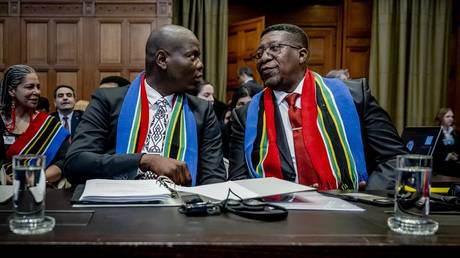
pixel 243 40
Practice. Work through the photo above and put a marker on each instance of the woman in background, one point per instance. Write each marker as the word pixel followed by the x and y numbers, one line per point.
pixel 446 155
pixel 25 130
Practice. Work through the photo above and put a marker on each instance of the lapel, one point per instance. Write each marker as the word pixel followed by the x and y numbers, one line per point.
pixel 75 120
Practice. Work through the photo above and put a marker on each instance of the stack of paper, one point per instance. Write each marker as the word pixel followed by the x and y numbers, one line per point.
pixel 124 191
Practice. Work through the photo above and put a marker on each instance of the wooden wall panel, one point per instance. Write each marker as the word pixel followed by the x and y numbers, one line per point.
pixel 67 43
pixel 2 61
pixel 44 89
pixel 356 37
pixel 67 78
pixel 37 43
pixel 138 35
pixel 78 42
pixel 110 43
pixel 243 41
pixel 102 75
pixel 322 48
pixel 359 24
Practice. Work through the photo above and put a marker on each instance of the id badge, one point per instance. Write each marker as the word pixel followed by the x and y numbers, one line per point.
pixel 8 139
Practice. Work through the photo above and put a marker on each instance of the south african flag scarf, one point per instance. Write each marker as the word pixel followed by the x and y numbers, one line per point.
pixel 181 135
pixel 44 136
pixel 331 134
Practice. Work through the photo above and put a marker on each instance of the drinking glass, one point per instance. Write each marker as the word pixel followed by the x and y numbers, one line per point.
pixel 29 184
pixel 412 196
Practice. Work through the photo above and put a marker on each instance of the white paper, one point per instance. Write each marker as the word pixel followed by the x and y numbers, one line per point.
pixel 246 189
pixel 6 192
pixel 124 191
pixel 317 201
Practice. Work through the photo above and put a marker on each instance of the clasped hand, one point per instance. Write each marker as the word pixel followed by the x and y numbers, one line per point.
pixel 176 170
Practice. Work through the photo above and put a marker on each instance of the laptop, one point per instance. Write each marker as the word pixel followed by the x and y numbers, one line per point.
pixel 421 140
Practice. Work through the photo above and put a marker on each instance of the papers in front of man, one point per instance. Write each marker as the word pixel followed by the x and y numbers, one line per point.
pixel 124 191
pixel 313 201
pixel 144 191
pixel 246 189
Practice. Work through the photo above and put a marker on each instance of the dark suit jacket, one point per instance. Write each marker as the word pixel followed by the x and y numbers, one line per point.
pixel 440 165
pixel 92 152
pixel 253 86
pixel 76 117
pixel 381 140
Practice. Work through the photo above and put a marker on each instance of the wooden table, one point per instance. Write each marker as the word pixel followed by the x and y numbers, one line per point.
pixel 162 231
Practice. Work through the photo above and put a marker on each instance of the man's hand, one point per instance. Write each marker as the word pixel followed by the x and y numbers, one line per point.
pixel 176 170
pixel 452 156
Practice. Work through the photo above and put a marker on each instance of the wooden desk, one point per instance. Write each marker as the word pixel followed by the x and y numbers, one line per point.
pixel 150 231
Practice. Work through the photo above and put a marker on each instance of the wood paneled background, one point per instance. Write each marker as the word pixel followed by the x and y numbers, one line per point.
pixel 79 42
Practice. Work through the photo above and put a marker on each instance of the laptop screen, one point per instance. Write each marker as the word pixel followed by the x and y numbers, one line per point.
pixel 421 140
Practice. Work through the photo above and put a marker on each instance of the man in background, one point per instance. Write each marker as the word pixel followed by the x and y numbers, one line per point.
pixel 64 100
pixel 246 79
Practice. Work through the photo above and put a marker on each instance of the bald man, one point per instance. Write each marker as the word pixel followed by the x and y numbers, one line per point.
pixel 153 127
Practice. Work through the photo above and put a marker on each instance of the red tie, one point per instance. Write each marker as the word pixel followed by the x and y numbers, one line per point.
pixel 305 171
pixel 66 122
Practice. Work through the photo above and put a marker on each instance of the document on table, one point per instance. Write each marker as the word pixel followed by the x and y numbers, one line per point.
pixel 314 201
pixel 245 189
pixel 123 191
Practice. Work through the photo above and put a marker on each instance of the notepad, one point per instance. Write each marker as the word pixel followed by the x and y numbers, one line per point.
pixel 123 191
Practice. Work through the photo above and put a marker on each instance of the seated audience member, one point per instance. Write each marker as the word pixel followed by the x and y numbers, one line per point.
pixel 446 153
pixel 43 105
pixel 246 79
pixel 114 82
pixel 241 97
pixel 81 105
pixel 206 91
pixel 341 74
pixel 64 100
pixel 137 132
pixel 26 130
pixel 304 128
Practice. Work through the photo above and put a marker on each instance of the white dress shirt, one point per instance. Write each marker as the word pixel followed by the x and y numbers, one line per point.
pixel 283 107
pixel 69 120
pixel 153 96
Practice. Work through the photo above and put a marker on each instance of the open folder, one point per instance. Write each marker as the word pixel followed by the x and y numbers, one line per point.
pixel 102 191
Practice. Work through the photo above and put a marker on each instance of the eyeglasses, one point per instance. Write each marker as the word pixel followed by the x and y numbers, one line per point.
pixel 272 50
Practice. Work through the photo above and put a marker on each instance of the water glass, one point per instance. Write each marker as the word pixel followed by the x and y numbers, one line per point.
pixel 29 184
pixel 412 196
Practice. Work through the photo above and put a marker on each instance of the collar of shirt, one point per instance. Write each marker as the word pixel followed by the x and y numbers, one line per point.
pixel 248 79
pixel 69 116
pixel 447 130
pixel 280 95
pixel 153 95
